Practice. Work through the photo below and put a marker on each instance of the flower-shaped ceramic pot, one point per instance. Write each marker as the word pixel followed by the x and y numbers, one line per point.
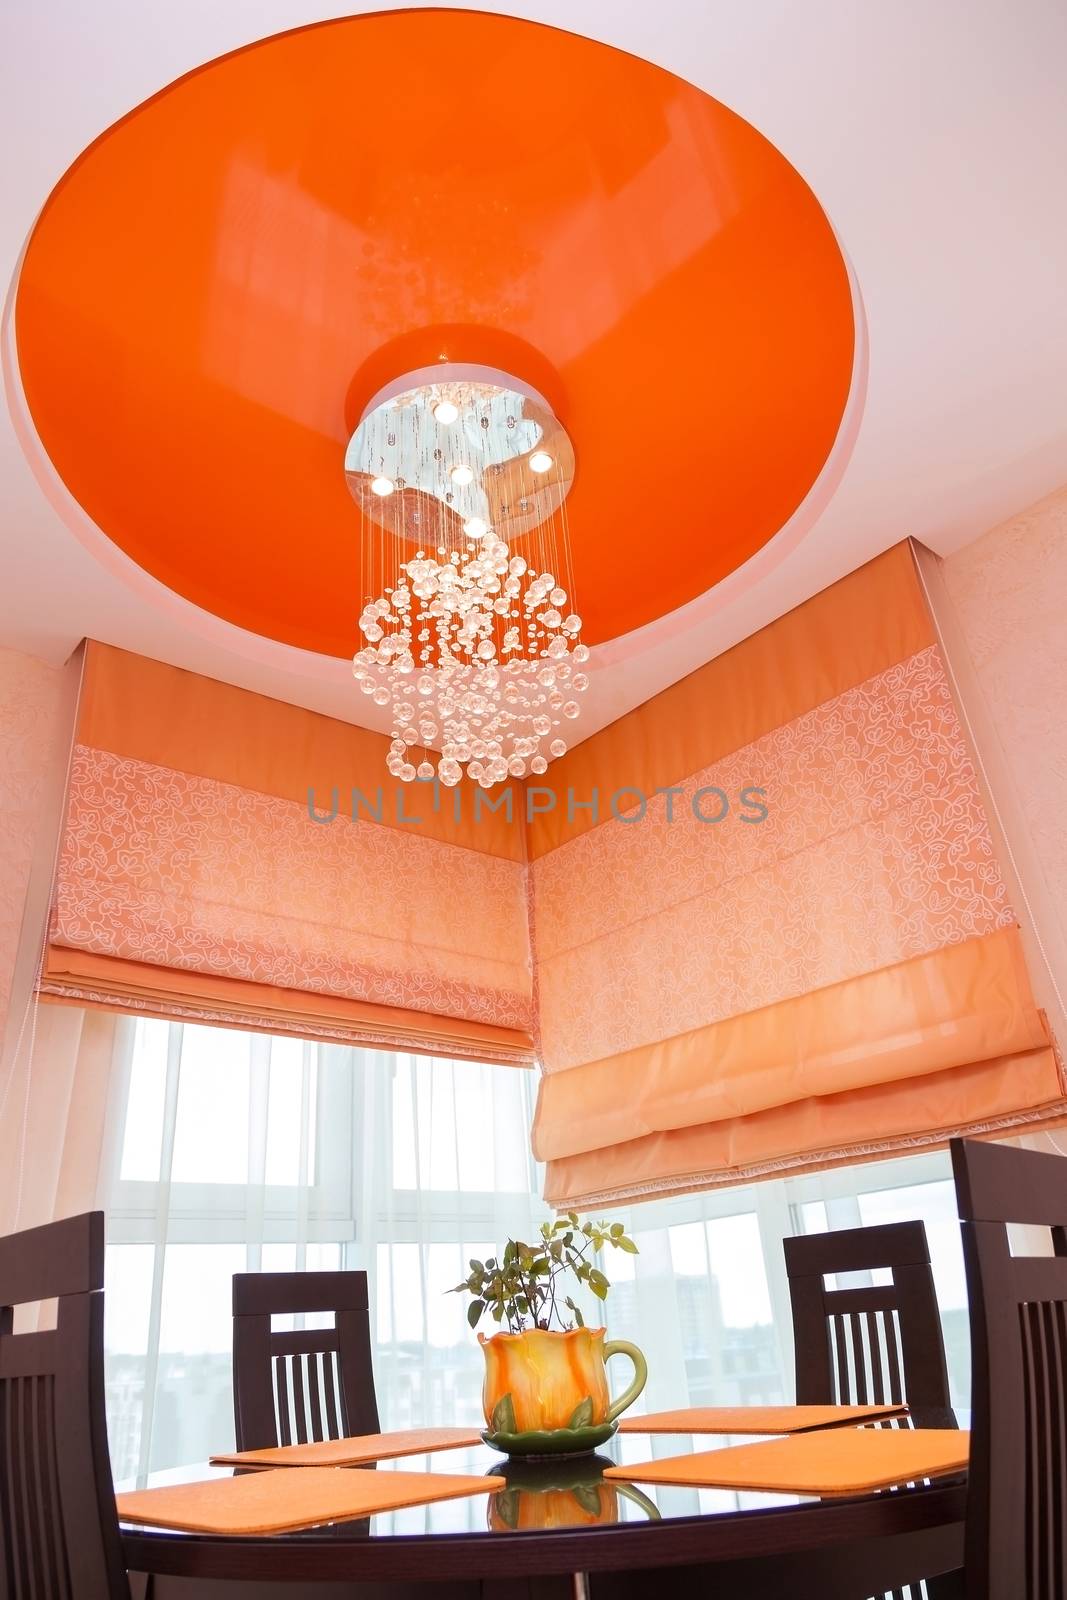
pixel 546 1393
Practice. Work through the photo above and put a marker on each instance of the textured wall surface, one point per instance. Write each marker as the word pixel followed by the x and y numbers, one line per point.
pixel 1009 592
pixel 29 700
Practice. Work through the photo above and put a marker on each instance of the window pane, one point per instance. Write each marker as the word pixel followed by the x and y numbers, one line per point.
pixel 323 1258
pixel 689 1250
pixel 193 1413
pixel 127 1305
pixel 291 1125
pixel 427 1361
pixel 935 1205
pixel 718 1298
pixel 736 1253
pixel 142 1138
pixel 211 1134
pixel 459 1126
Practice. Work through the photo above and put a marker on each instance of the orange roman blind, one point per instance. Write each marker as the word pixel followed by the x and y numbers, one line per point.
pixel 793 946
pixel 232 859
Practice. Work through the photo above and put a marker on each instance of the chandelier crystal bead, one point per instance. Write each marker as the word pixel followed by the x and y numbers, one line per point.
pixel 468 639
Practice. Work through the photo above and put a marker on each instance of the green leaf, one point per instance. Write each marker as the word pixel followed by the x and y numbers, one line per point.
pixel 498 1313
pixel 629 1246
pixel 476 1266
pixel 599 1284
pixel 474 1312
pixel 572 1218
pixel 582 1415
pixel 503 1418
pixel 588 1497
pixel 577 1314
pixel 507 1504
pixel 616 1230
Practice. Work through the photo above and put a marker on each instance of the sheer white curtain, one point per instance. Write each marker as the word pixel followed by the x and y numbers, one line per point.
pixel 237 1152
pixel 707 1297
pixel 52 1117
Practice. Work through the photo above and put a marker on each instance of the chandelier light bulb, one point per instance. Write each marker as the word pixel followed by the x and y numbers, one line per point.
pixel 475 528
pixel 445 412
pixel 540 461
pixel 462 475
pixel 382 486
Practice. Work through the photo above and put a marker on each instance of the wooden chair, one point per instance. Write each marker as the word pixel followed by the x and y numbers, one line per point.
pixel 1016 1539
pixel 59 1532
pixel 869 1346
pixel 302 1386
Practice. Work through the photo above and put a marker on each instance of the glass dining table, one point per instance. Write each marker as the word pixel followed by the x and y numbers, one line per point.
pixel 559 1529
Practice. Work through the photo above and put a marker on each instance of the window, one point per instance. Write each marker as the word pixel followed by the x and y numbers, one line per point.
pixel 238 1152
pixel 897 1191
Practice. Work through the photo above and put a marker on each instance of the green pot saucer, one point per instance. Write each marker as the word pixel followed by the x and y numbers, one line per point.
pixel 547 1442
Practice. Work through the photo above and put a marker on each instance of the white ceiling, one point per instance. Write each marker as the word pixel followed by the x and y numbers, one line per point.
pixel 934 132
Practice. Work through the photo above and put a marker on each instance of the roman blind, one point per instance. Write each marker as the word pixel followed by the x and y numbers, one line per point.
pixel 211 869
pixel 839 978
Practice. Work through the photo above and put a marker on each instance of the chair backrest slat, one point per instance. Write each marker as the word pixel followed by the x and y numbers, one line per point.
pixel 1016 1546
pixel 299 1409
pixel 59 1534
pixel 335 1428
pixel 281 1400
pixel 874 1344
pixel 315 1363
pixel 308 1384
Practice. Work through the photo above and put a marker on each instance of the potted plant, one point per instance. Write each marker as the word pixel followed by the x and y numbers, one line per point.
pixel 546 1387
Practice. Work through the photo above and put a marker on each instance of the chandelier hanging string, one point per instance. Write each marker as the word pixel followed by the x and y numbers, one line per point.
pixel 470 635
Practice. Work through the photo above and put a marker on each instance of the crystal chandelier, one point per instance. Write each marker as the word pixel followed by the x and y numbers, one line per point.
pixel 461 474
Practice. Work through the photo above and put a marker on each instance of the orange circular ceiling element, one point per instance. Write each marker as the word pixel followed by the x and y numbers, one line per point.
pixel 223 279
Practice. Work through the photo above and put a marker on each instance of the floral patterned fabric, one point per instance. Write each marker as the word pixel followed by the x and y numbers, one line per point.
pixel 189 873
pixel 875 849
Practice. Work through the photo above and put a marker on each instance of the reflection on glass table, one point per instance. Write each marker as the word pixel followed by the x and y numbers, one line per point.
pixel 566 1494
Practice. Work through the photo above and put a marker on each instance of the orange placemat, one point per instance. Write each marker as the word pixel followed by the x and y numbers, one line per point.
pixel 353 1452
pixel 279 1502
pixel 833 1461
pixel 754 1419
